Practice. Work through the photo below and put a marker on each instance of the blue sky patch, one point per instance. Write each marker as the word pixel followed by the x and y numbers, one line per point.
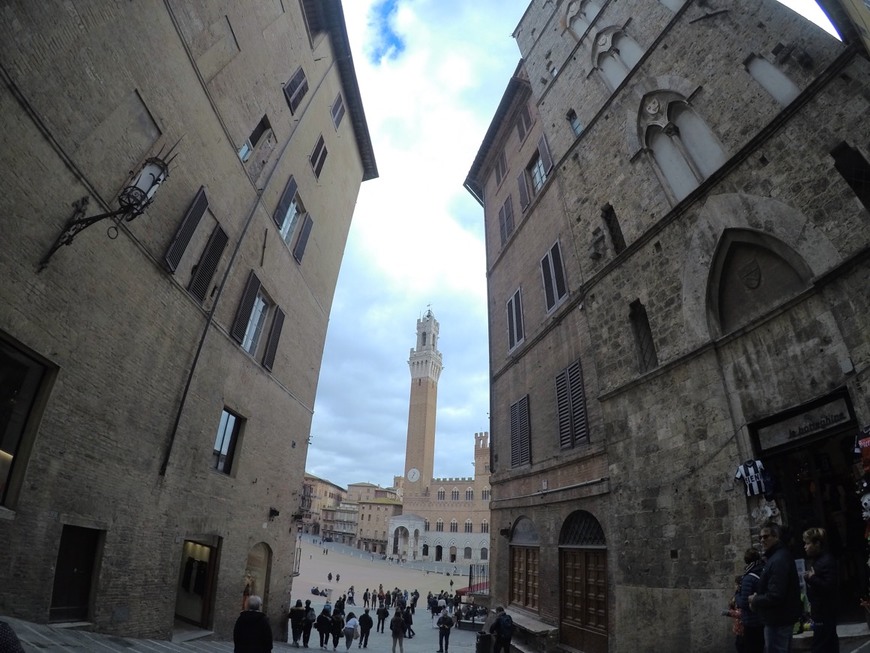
pixel 386 43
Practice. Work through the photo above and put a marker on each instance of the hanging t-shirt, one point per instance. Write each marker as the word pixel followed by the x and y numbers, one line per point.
pixel 750 472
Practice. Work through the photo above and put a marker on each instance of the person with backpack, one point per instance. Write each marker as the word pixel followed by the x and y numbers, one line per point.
pixel 382 613
pixel 337 629
pixel 445 623
pixel 308 623
pixel 503 629
pixel 324 627
pixel 397 628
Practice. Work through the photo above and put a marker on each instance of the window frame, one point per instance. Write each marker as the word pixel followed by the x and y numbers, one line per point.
pixel 295 89
pixel 516 332
pixel 337 110
pixel 553 278
pixel 317 158
pixel 226 466
pixel 506 224
pixel 571 410
pixel 521 433
pixel 524 122
pixel 500 168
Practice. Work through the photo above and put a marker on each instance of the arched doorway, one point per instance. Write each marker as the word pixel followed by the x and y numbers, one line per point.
pixel 452 554
pixel 401 538
pixel 439 553
pixel 583 574
pixel 525 546
pixel 257 572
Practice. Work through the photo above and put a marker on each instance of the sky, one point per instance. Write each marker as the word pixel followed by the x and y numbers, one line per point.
pixel 431 74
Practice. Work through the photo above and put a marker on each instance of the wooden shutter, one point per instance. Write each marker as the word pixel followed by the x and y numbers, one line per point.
pixel 544 152
pixel 520 433
pixel 302 241
pixel 579 424
pixel 337 111
pixel 207 265
pixel 547 277
pixel 285 202
pixel 246 305
pixel 563 408
pixel 186 230
pixel 558 271
pixel 524 190
pixel 274 336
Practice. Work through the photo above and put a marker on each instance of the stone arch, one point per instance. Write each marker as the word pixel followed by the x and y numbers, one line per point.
pixel 583 582
pixel 776 225
pixel 258 570
pixel 680 86
pixel 614 54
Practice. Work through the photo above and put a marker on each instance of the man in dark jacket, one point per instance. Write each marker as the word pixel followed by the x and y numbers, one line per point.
pixel 778 599
pixel 753 628
pixel 365 627
pixel 822 590
pixel 252 633
pixel 503 629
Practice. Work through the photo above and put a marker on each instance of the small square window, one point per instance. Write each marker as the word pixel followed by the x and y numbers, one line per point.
pixel 295 89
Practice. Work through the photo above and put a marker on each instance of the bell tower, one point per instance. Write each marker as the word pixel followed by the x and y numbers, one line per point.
pixel 425 366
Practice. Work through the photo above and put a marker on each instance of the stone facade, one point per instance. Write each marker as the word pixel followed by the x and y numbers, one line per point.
pixel 703 248
pixel 126 355
pixel 325 497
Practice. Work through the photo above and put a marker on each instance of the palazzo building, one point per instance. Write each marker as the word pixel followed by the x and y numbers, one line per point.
pixel 675 198
pixel 443 519
pixel 158 370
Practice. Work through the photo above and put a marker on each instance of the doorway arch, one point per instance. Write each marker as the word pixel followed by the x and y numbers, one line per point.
pixel 583 574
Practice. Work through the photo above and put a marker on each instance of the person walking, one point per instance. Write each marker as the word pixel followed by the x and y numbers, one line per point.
pixel 365 627
pixel 252 632
pixel 503 629
pixel 296 617
pixel 351 630
pixel 337 629
pixel 382 613
pixel 822 591
pixel 445 623
pixel 778 598
pixel 409 621
pixel 397 629
pixel 308 623
pixel 366 596
pixel 324 627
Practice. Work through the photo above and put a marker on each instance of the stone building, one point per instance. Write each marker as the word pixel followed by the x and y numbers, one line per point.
pixel 324 497
pixel 443 519
pixel 676 205
pixel 157 385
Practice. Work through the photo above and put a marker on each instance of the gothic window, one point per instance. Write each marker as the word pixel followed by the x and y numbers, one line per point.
pixel 467 553
pixel 439 526
pixel 485 494
pixel 571 406
pixel 441 494
pixel 484 526
pixel 454 526
pixel 646 351
pixel 615 54
pixel 469 494
pixel 454 494
pixel 852 165
pixel 484 553
pixel 520 433
pixel 580 15
pixel 468 526
pixel 684 149
pixel 426 526
pixel 613 228
pixel 772 79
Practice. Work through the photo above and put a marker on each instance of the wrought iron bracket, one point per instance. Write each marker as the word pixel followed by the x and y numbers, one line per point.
pixel 75 225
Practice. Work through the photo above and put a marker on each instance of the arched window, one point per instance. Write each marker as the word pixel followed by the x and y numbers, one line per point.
pixel 439 525
pixel 772 79
pixel 454 494
pixel 469 494
pixel 485 494
pixel 484 553
pixel 441 494
pixel 484 526
pixel 454 526
pixel 615 54
pixel 684 149
pixel 468 526
pixel 425 550
pixel 580 15
pixel 426 525
pixel 467 553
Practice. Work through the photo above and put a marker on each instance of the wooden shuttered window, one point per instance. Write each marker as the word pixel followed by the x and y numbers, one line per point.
pixel 186 230
pixel 515 320
pixel 284 203
pixel 296 89
pixel 506 220
pixel 302 241
pixel 544 153
pixel 337 111
pixel 553 276
pixel 246 305
pixel 520 433
pixel 205 269
pixel 571 406
pixel 274 337
pixel 523 184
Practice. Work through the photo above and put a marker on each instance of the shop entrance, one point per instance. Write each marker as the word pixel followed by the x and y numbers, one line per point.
pixel 194 599
pixel 816 478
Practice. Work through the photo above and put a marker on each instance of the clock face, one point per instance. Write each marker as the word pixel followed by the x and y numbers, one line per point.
pixel 413 475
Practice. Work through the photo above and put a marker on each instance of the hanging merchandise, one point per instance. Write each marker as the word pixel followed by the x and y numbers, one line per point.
pixel 752 472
